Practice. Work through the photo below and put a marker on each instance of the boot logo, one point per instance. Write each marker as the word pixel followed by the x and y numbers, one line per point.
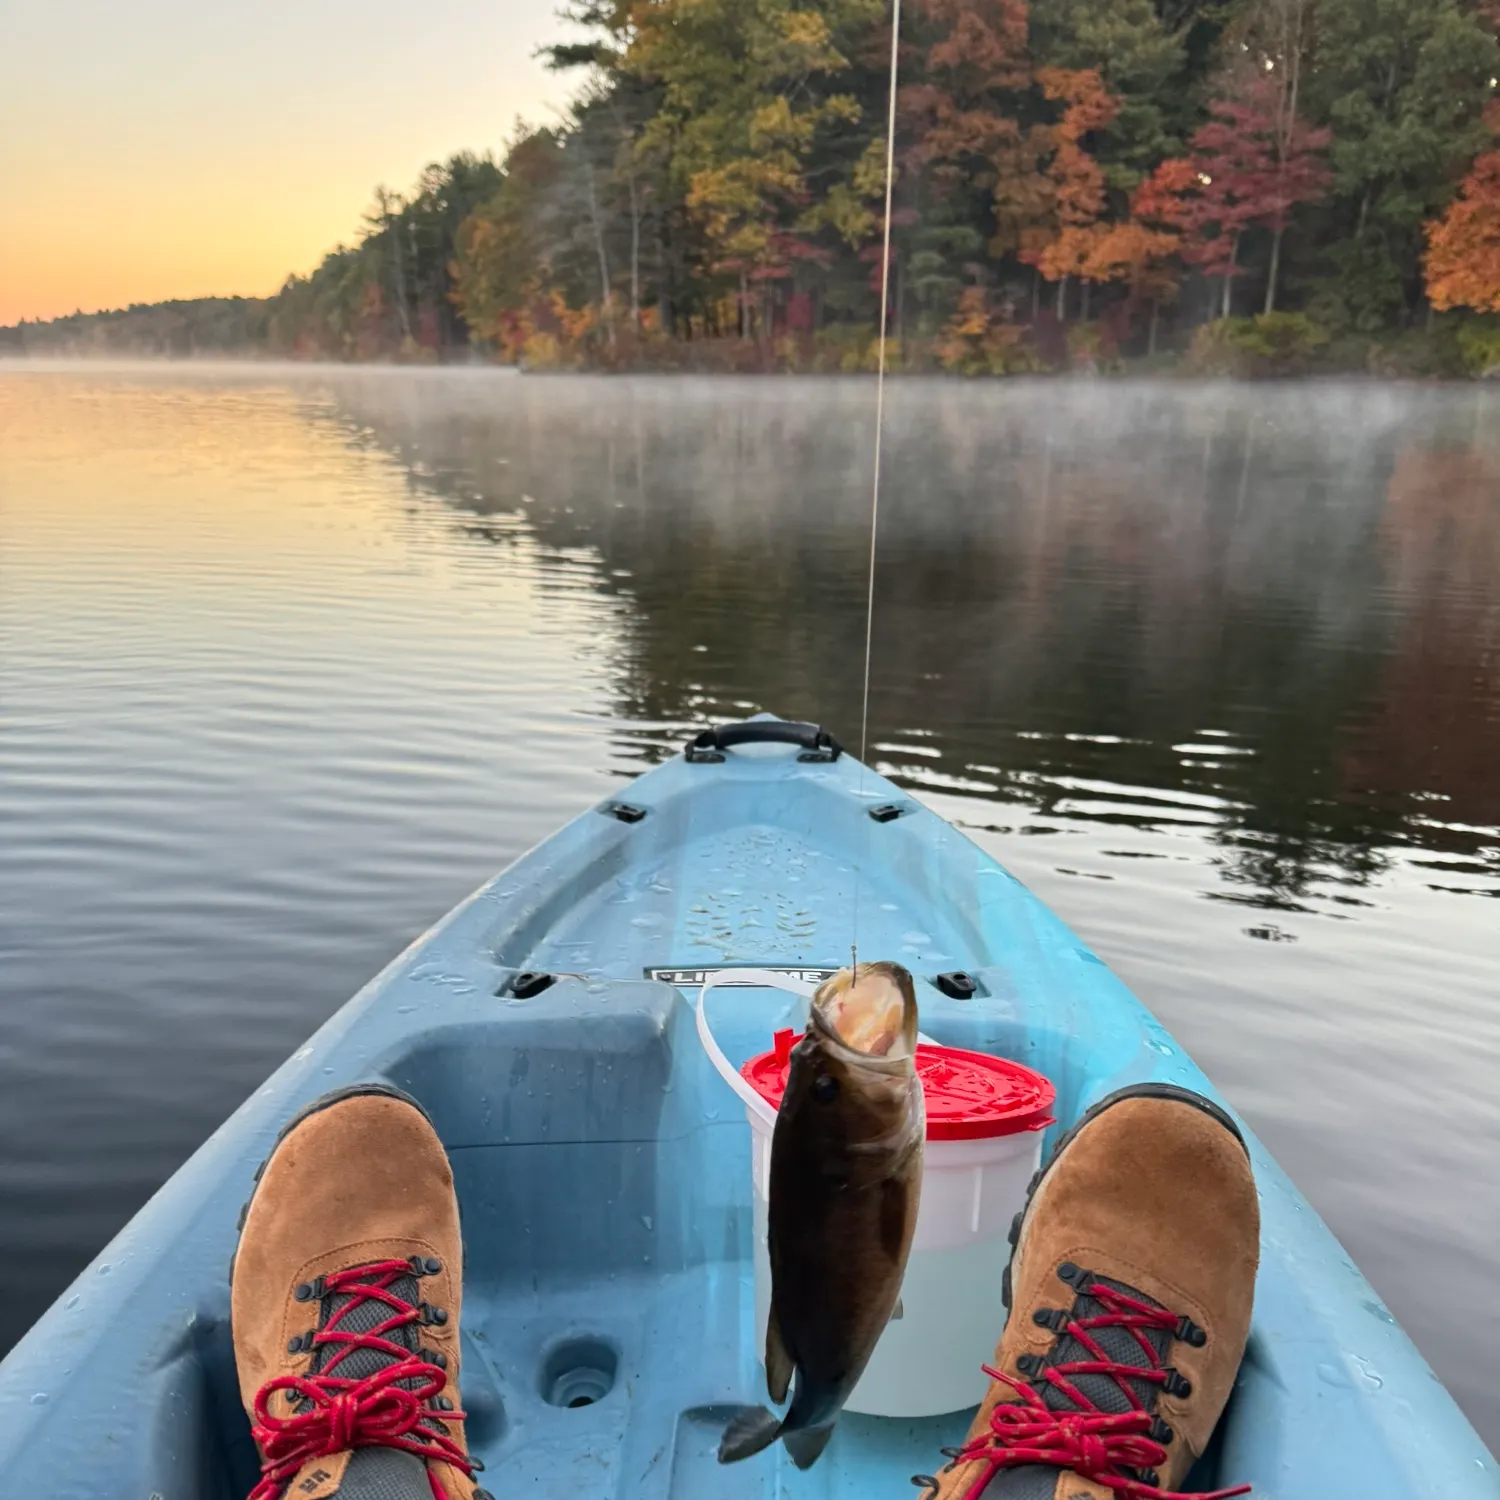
pixel 313 1480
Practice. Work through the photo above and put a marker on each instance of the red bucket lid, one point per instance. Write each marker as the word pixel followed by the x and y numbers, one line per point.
pixel 970 1096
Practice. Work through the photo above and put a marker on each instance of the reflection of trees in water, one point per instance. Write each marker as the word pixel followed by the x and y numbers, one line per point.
pixel 1433 728
pixel 1435 724
pixel 1136 562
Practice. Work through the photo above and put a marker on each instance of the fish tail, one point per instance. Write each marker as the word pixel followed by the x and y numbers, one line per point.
pixel 807 1444
pixel 751 1429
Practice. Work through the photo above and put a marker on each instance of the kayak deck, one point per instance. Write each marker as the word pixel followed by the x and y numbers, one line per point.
pixel 604 1179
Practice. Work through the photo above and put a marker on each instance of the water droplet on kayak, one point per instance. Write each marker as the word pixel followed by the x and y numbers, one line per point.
pixel 1157 1046
pixel 72 1302
pixel 40 1399
pixel 646 1221
pixel 1368 1373
pixel 405 1010
pixel 105 1269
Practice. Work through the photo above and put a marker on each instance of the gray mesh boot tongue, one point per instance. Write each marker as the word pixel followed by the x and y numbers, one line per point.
pixel 1123 1347
pixel 376 1473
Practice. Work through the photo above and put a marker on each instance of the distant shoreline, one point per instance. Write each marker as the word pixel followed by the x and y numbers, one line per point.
pixel 1172 370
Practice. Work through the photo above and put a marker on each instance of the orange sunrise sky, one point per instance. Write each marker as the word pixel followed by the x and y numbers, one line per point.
pixel 190 148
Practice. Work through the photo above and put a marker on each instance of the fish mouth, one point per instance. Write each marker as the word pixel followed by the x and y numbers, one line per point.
pixel 871 1011
pixel 895 1062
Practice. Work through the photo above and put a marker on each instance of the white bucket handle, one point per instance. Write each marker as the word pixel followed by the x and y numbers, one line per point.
pixel 742 978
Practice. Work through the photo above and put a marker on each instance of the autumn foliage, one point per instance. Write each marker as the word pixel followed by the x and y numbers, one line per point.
pixel 1075 179
pixel 1463 247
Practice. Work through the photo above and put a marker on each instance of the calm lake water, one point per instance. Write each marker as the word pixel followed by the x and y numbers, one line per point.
pixel 290 660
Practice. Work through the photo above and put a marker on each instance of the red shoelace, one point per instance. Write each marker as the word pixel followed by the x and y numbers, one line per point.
pixel 374 1412
pixel 1094 1444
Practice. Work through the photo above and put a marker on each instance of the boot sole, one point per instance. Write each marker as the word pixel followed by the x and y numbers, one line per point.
pixel 1170 1091
pixel 325 1101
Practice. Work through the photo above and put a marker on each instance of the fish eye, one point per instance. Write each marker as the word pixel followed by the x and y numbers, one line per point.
pixel 825 1088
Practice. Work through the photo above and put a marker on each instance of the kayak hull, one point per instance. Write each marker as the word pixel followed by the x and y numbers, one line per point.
pixel 604 1175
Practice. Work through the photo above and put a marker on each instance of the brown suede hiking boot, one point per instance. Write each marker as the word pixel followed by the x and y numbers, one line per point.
pixel 1129 1291
pixel 338 1351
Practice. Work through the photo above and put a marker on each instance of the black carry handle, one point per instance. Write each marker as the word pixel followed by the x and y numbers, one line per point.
pixel 816 742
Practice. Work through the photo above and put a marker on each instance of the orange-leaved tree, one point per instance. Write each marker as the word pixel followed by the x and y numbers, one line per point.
pixel 1141 258
pixel 1463 247
pixel 1075 178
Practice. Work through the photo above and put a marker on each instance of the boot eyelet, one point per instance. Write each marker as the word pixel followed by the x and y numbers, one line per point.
pixel 304 1291
pixel 432 1266
pixel 1160 1431
pixel 434 1357
pixel 1029 1364
pixel 1190 1333
pixel 442 1403
pixel 1177 1385
pixel 1148 1476
pixel 1074 1276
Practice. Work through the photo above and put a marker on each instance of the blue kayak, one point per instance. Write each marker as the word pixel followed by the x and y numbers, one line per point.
pixel 603 1170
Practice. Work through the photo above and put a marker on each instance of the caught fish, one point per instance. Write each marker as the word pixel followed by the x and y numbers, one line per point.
pixel 846 1172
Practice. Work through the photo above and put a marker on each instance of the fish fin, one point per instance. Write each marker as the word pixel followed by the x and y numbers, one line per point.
pixel 778 1361
pixel 898 1311
pixel 807 1444
pixel 751 1429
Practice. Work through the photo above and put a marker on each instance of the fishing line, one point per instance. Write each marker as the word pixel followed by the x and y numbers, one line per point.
pixel 885 304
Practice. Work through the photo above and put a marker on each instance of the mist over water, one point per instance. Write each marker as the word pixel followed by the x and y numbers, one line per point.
pixel 291 659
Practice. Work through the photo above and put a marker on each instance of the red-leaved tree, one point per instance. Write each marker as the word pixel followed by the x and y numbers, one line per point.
pixel 1250 167
pixel 970 55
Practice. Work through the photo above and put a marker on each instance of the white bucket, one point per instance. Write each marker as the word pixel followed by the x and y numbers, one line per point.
pixel 927 1361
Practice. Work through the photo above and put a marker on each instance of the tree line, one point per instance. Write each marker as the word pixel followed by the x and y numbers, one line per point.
pixel 1252 181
